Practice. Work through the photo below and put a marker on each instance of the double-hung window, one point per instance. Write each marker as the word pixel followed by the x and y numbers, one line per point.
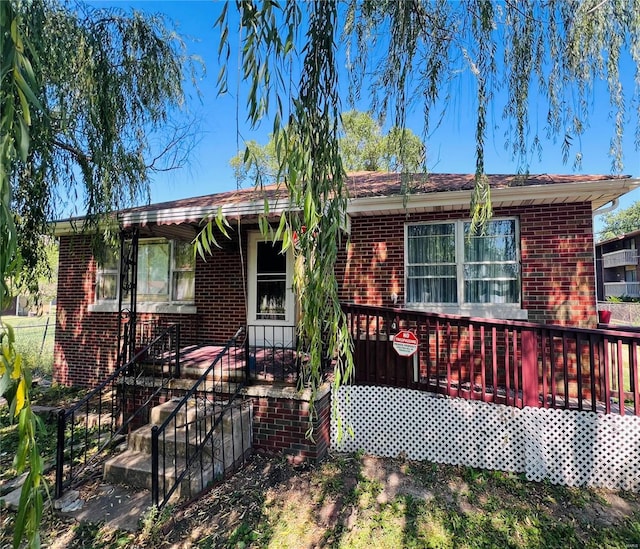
pixel 153 271
pixel 166 274
pixel 449 266
pixel 107 276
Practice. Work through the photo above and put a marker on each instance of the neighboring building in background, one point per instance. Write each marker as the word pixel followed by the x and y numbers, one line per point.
pixel 618 266
pixel 18 306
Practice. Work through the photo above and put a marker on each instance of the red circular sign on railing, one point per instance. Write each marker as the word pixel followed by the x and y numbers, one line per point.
pixel 405 343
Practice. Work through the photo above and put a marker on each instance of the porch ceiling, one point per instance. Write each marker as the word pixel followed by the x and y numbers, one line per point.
pixel 184 232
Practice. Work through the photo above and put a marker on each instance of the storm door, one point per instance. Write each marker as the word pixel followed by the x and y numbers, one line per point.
pixel 271 315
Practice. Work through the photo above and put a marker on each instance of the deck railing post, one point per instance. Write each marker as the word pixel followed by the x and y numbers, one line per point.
pixel 60 453
pixel 529 349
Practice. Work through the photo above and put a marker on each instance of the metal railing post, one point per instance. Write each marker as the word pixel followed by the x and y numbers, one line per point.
pixel 61 424
pixel 155 484
pixel 247 365
pixel 177 371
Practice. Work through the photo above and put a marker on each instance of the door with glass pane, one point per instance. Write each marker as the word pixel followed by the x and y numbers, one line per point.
pixel 271 315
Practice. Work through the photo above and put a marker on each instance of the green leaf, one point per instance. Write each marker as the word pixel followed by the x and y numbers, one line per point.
pixel 25 108
pixel 5 382
pixel 282 226
pixel 23 141
pixel 23 507
pixel 33 100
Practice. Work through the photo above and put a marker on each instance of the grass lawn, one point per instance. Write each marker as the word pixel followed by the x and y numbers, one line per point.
pixel 349 501
pixel 364 502
pixel 34 340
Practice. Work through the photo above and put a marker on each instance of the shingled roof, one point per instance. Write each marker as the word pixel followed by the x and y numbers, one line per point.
pixel 373 194
pixel 375 184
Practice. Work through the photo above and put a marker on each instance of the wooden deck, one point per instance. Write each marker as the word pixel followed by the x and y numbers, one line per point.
pixel 509 362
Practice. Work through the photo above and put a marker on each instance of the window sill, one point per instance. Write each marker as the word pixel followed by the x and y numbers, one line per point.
pixel 158 308
pixel 500 312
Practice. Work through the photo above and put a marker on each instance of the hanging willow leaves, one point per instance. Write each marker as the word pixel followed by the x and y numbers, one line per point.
pixel 407 53
pixel 19 106
pixel 82 93
pixel 512 53
pixel 110 87
pixel 306 159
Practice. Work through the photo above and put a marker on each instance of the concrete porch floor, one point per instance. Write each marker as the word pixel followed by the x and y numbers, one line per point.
pixel 266 364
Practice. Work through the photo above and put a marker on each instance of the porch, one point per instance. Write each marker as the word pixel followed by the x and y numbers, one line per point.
pixel 513 365
pixel 173 418
pixel 255 354
pixel 503 362
pixel 518 364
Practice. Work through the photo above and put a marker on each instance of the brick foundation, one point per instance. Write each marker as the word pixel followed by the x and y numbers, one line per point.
pixel 281 420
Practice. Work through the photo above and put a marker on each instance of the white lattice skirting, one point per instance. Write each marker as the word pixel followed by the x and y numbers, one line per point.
pixel 565 447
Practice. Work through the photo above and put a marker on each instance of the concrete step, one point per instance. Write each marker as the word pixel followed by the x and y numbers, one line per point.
pixel 230 442
pixel 195 371
pixel 134 469
pixel 180 438
pixel 195 409
pixel 176 441
pixel 185 383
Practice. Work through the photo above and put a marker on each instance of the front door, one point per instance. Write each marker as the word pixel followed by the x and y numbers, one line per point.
pixel 271 315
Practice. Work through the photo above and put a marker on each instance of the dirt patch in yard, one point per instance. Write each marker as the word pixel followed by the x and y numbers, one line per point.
pixel 362 501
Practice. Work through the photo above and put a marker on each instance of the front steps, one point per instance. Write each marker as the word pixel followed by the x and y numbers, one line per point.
pixel 229 444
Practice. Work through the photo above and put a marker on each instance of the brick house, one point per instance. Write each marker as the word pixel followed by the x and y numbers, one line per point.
pixel 535 262
pixel 412 251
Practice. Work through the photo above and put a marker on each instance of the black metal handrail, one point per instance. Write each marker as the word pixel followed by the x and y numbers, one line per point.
pixel 91 425
pixel 275 354
pixel 272 354
pixel 511 362
pixel 211 397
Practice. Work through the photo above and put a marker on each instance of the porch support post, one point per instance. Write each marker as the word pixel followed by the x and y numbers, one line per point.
pixel 530 389
pixel 127 320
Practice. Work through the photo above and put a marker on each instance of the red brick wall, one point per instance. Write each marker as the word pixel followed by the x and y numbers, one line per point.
pixel 558 283
pixel 558 278
pixel 280 425
pixel 220 291
pixel 85 343
pixel 81 356
pixel 558 273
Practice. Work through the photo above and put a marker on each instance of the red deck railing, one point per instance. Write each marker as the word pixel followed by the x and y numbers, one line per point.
pixel 508 362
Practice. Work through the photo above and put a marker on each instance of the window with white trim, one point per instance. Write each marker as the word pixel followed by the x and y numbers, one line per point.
pixel 166 273
pixel 107 276
pixel 446 265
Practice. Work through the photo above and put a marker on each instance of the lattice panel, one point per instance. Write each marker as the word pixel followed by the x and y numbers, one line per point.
pixel 565 447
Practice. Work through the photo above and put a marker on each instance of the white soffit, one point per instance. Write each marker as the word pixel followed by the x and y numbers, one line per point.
pixel 598 193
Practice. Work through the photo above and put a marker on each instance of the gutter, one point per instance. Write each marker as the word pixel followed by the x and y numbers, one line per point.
pixel 605 210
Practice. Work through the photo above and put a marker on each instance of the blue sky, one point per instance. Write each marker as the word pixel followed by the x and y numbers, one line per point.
pixel 451 148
